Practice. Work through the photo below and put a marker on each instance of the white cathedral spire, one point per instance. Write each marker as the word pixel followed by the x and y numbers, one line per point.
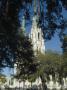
pixel 36 36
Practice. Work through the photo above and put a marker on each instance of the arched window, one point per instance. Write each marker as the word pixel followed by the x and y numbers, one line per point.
pixel 38 35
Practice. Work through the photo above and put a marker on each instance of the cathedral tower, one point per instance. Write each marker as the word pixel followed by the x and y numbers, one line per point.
pixel 36 36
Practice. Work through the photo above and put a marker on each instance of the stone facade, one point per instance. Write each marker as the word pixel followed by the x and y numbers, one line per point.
pixel 36 36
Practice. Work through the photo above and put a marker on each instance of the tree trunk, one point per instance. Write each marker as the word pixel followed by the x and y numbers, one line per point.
pixel 23 85
pixel 31 84
pixel 44 86
pixel 19 85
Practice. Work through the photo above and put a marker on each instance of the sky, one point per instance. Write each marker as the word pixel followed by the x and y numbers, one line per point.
pixel 55 44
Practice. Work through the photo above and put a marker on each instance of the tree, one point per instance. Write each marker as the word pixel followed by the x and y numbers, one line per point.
pixel 50 64
pixel 64 47
pixel 25 59
pixel 2 79
pixel 9 25
pixel 15 47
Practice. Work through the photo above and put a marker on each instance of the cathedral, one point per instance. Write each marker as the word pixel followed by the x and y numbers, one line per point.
pixel 36 36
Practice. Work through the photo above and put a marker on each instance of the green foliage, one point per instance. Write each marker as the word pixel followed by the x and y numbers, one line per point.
pixel 14 46
pixel 64 46
pixel 53 64
pixel 9 24
pixel 50 63
pixel 25 59
pixel 2 79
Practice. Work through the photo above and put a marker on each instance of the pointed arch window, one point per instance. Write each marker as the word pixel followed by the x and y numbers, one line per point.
pixel 38 35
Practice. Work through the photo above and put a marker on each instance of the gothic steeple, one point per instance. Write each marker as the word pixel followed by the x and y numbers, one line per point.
pixel 37 34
